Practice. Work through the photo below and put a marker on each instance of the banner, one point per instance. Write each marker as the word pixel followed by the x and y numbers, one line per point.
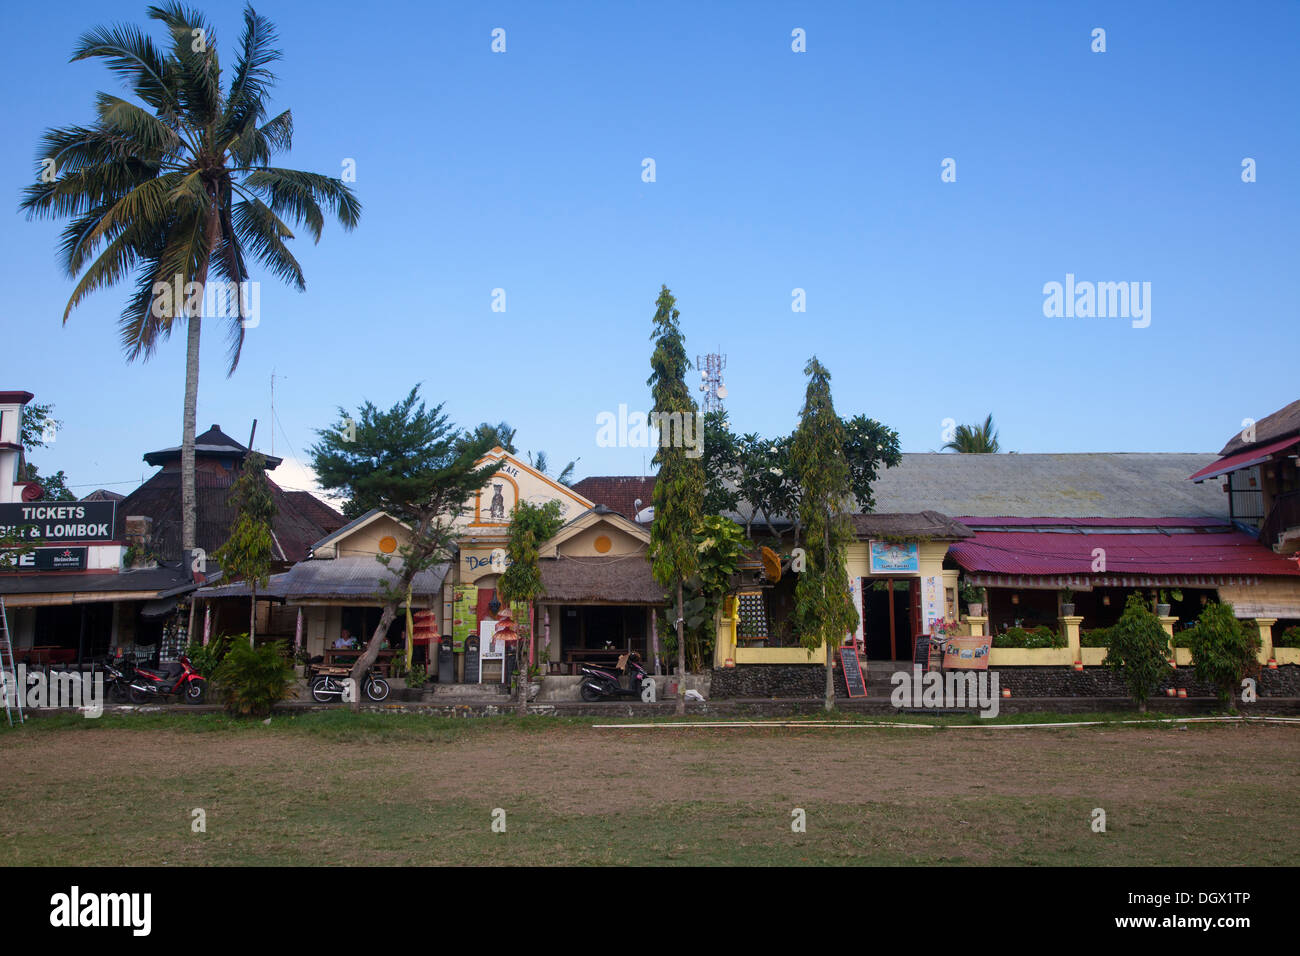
pixel 59 520
pixel 967 653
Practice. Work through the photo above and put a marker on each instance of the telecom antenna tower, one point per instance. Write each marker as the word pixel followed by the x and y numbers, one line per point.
pixel 711 384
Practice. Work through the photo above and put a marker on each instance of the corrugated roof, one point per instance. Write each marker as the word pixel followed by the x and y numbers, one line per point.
pixel 617 492
pixel 1104 485
pixel 1061 552
pixel 359 577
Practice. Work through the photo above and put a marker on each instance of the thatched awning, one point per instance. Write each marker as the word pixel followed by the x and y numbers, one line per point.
pixel 625 579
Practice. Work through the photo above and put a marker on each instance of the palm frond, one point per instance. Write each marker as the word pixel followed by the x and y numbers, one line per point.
pixel 245 103
pixel 132 56
pixel 263 233
pixel 300 196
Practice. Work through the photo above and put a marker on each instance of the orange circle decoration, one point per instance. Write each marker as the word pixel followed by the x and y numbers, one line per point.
pixel 388 544
pixel 602 544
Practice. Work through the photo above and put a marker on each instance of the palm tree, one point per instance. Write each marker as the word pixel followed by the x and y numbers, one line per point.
pixel 167 190
pixel 975 439
pixel 543 464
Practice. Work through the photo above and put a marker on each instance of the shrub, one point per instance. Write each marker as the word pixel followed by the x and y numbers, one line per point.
pixel 1097 637
pixel 254 679
pixel 1139 650
pixel 206 658
pixel 416 676
pixel 1038 637
pixel 1290 637
pixel 1223 650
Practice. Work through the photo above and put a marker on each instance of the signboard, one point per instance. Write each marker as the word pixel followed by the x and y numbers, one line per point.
pixel 490 647
pixel 851 665
pixel 464 614
pixel 931 600
pixel 52 559
pixel 891 558
pixel 52 521
pixel 967 653
pixel 921 651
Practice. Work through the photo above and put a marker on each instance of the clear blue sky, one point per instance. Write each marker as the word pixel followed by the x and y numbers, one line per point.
pixel 775 170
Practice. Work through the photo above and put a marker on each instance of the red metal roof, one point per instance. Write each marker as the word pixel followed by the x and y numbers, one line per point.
pixel 1008 522
pixel 1243 459
pixel 1193 553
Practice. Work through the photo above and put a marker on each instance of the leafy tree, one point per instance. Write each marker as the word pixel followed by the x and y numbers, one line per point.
pixel 254 679
pixel 975 439
pixel 543 464
pixel 248 551
pixel 867 445
pixel 721 461
pixel 499 435
pixel 37 420
pixel 1139 650
pixel 412 463
pixel 1224 650
pixel 679 486
pixel 824 610
pixel 530 525
pixel 179 182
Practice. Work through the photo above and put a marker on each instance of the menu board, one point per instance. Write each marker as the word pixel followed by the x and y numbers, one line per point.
pixel 852 668
pixel 921 651
pixel 967 653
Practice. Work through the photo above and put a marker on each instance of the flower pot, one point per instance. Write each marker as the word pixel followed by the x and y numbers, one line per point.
pixel 1067 610
pixel 1162 610
pixel 975 610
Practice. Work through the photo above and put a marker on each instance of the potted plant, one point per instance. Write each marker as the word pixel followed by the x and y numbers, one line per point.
pixel 1162 602
pixel 1067 602
pixel 974 598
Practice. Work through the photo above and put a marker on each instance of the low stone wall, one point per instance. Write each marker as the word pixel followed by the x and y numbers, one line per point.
pixel 1104 682
pixel 771 680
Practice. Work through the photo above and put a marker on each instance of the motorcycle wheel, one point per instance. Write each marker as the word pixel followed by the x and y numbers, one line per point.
pixel 377 688
pixel 139 696
pixel 590 691
pixel 321 692
pixel 118 692
pixel 195 691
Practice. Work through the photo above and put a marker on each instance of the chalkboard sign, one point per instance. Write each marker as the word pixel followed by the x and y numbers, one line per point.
pixel 921 652
pixel 852 667
pixel 471 663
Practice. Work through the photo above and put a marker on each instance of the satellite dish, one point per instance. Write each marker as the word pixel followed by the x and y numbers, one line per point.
pixel 722 391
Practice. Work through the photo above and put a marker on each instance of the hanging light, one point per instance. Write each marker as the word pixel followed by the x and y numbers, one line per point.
pixel 1105 599
pixel 1015 599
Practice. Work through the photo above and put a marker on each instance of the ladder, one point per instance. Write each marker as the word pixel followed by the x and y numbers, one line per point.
pixel 8 672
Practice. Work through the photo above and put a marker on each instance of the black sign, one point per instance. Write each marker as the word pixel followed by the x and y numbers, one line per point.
pixel 50 521
pixel 852 668
pixel 921 652
pixel 52 559
pixel 471 663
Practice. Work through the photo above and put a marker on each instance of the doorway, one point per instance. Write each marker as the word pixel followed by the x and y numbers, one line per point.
pixel 890 616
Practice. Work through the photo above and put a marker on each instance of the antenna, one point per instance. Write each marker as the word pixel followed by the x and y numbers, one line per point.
pixel 711 385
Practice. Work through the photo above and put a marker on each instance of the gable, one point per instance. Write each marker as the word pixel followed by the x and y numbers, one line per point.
pixel 377 533
pixel 594 534
pixel 489 511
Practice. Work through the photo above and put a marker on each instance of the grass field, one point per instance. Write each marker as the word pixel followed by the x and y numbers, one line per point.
pixel 336 788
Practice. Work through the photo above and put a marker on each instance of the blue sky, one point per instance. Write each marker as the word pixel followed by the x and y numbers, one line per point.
pixel 775 170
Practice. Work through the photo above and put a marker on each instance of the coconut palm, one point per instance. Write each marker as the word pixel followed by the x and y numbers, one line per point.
pixel 975 439
pixel 177 183
pixel 543 464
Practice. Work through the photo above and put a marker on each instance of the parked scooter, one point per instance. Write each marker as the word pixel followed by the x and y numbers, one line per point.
pixel 118 675
pixel 330 682
pixel 180 677
pixel 609 683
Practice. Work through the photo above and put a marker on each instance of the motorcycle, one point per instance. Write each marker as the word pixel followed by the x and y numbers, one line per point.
pixel 178 677
pixel 118 675
pixel 330 683
pixel 602 683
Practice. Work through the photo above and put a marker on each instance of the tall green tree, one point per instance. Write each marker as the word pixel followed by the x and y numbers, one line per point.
pixel 412 463
pixel 1224 650
pixel 679 485
pixel 38 425
pixel 530 526
pixel 824 610
pixel 1139 650
pixel 248 552
pixel 177 183
pixel 975 439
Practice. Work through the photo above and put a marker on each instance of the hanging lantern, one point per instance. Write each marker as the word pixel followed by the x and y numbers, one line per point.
pixel 505 629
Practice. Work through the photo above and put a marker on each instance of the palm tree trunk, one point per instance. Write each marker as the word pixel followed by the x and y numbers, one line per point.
pixel 681 653
pixel 194 326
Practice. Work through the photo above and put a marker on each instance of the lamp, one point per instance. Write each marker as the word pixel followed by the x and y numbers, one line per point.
pixel 1105 599
pixel 1015 599
pixel 494 605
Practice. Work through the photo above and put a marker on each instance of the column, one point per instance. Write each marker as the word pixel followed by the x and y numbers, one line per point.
pixel 1265 626
pixel 1070 628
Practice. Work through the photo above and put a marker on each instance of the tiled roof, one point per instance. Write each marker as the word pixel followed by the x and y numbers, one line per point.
pixel 618 492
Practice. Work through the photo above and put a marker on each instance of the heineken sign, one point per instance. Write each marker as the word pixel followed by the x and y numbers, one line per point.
pixel 52 559
pixel 50 521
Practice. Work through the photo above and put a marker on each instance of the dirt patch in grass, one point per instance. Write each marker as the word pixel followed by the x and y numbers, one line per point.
pixel 408 790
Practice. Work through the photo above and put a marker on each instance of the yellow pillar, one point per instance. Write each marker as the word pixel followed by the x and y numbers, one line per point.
pixel 977 624
pixel 1265 625
pixel 724 647
pixel 1070 628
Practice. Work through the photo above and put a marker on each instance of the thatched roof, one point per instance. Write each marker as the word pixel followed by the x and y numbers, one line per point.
pixel 1281 424
pixel 358 579
pixel 624 579
pixel 919 526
